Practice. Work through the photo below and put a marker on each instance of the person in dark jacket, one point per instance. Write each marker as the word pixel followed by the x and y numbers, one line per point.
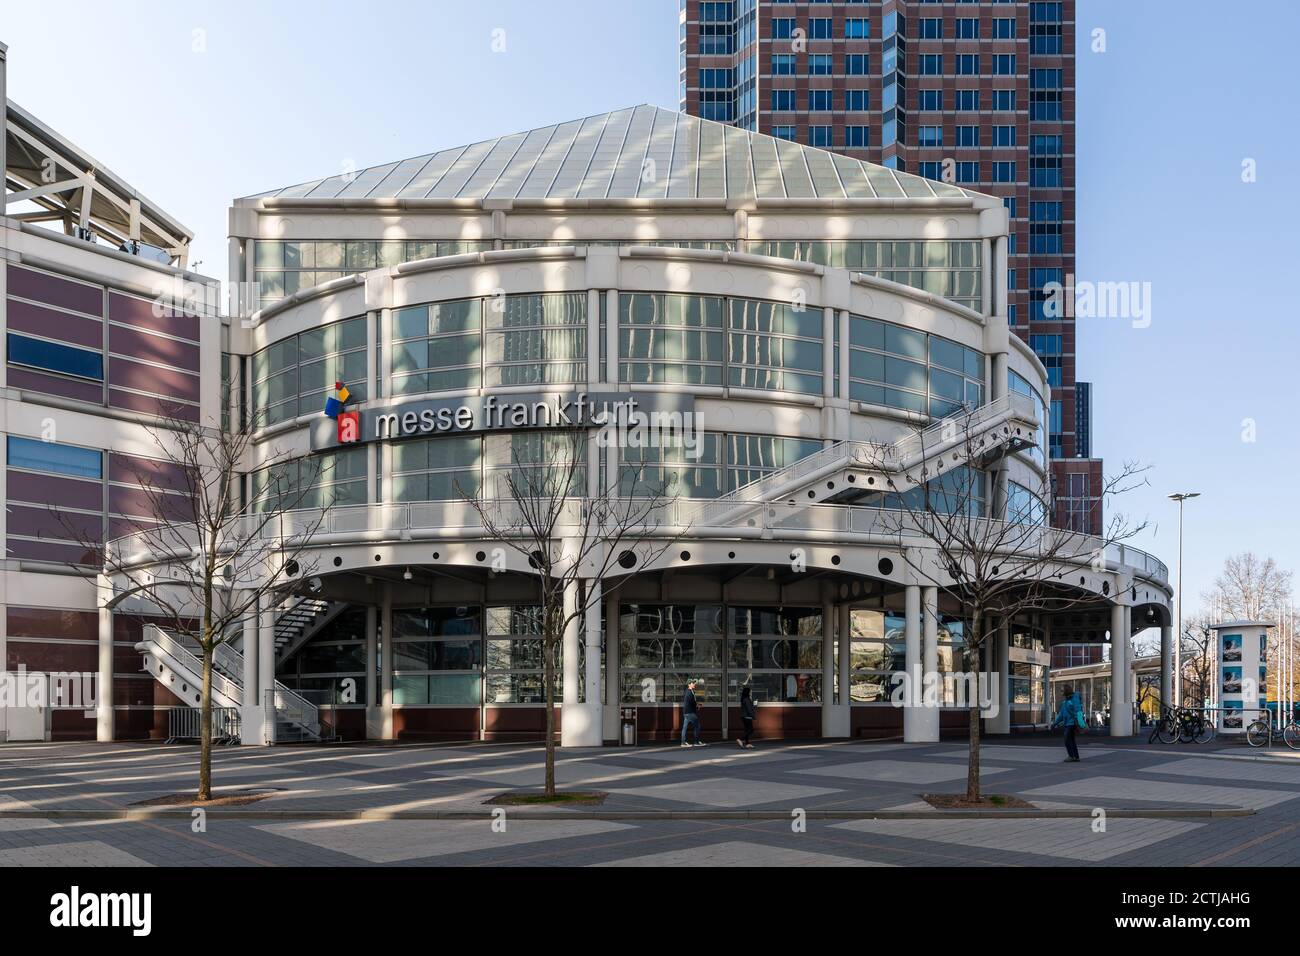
pixel 747 717
pixel 691 715
pixel 1068 717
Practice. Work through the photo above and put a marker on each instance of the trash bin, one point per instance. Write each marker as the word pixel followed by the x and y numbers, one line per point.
pixel 628 736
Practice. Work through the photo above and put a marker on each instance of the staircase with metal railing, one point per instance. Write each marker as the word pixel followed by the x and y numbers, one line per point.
pixel 300 622
pixel 848 470
pixel 174 663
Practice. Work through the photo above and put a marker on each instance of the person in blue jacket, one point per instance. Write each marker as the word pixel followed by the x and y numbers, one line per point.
pixel 1070 717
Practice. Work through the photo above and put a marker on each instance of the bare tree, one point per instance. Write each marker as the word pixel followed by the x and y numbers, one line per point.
pixel 539 508
pixel 1251 588
pixel 197 558
pixel 996 570
pixel 1198 656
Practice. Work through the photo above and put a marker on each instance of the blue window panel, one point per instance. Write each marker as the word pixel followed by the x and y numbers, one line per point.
pixel 51 458
pixel 55 357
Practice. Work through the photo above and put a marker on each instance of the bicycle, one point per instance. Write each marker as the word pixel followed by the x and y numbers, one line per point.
pixel 1165 729
pixel 1261 732
pixel 1196 727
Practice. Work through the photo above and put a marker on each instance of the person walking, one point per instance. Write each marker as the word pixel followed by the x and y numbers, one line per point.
pixel 691 715
pixel 747 717
pixel 1070 716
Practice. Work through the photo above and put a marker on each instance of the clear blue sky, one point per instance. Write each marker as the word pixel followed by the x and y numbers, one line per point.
pixel 285 92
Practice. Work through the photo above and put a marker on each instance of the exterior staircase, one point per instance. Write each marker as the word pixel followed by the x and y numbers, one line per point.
pixel 176 664
pixel 299 623
pixel 850 470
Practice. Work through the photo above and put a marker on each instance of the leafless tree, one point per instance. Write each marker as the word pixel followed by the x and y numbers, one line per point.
pixel 197 558
pixel 1251 588
pixel 1198 657
pixel 995 570
pixel 539 508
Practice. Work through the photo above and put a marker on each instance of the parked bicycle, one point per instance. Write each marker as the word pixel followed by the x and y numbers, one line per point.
pixel 1261 732
pixel 1183 725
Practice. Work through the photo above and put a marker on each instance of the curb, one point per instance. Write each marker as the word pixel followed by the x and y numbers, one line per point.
pixel 224 813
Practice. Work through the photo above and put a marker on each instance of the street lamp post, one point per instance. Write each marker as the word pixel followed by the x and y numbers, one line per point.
pixel 1180 497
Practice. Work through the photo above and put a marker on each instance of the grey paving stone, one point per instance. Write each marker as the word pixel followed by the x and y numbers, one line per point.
pixel 740 853
pixel 390 841
pixel 897 771
pixel 727 792
pixel 1074 839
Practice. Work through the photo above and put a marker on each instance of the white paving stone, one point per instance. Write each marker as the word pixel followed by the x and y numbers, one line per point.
pixel 85 853
pixel 730 792
pixel 740 853
pixel 392 841
pixel 1072 839
pixel 1228 770
pixel 897 771
pixel 1109 789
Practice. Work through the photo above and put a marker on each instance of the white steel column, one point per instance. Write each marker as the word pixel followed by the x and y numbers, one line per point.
pixel 1000 673
pixel 844 633
pixel 573 726
pixel 913 722
pixel 386 662
pixel 104 684
pixel 611 725
pixel 591 707
pixel 1166 665
pixel 374 712
pixel 1121 707
pixel 266 666
pixel 251 714
pixel 829 709
pixel 828 352
pixel 929 724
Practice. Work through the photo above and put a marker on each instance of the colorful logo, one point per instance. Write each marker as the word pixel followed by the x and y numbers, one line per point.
pixel 349 422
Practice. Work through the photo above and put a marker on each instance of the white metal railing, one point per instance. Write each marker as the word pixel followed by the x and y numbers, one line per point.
pixel 703 517
pixel 172 647
pixel 186 723
pixel 952 430
pixel 289 704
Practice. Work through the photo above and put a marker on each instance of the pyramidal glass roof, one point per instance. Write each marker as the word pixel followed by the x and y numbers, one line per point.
pixel 643 152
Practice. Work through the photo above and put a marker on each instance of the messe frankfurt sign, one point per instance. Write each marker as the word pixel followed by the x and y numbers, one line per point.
pixel 655 411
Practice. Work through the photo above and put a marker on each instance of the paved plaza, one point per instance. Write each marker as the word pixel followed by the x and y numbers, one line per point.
pixel 319 794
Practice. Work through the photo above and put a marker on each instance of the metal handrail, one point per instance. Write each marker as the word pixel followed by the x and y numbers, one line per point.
pixel 298 708
pixel 706 517
pixel 178 652
pixel 893 455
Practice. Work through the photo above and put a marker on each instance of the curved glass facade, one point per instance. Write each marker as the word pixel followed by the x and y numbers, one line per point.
pixel 1038 451
pixel 675 339
pixel 774 346
pixel 294 376
pixel 902 368
pixel 437 347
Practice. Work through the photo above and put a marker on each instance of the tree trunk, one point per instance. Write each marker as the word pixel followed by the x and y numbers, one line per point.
pixel 973 767
pixel 973 764
pixel 205 728
pixel 548 677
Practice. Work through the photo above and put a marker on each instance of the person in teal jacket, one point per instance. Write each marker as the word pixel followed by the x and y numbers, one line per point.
pixel 1068 716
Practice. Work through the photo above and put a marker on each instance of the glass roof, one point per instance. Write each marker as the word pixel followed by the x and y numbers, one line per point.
pixel 641 152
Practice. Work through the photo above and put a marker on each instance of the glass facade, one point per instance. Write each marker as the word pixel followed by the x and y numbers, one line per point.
pixel 437 347
pixel 902 368
pixel 775 346
pixel 321 481
pixel 674 339
pixel 283 268
pixel 438 656
pixel 535 339
pixel 293 377
pixel 775 651
pixel 878 651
